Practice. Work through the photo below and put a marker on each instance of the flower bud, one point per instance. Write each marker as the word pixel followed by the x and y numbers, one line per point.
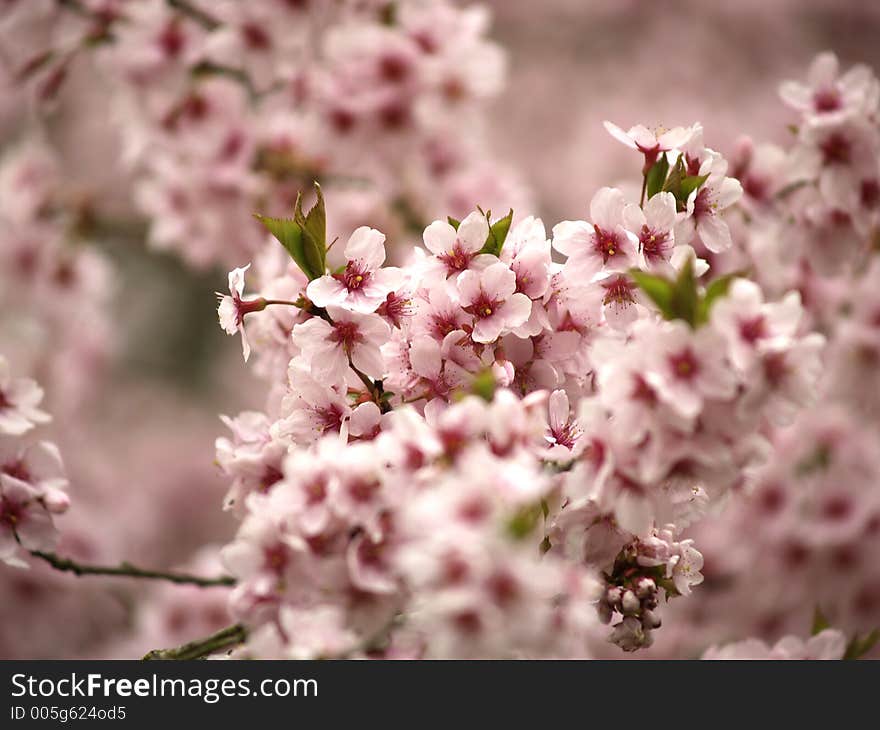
pixel 650 620
pixel 645 587
pixel 630 603
pixel 56 501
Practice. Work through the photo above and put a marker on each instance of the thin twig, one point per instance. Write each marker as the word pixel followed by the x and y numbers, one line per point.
pixel 203 18
pixel 223 639
pixel 128 570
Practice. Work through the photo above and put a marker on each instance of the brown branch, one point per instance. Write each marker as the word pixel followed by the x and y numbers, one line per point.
pixel 224 639
pixel 203 18
pixel 127 570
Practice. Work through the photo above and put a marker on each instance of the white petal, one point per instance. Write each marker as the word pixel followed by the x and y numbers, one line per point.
pixel 606 208
pixel 619 134
pixel 326 291
pixel 439 237
pixel 368 245
pixel 473 232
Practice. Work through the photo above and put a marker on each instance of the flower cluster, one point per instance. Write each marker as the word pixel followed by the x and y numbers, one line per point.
pixel 829 644
pixel 813 511
pixel 54 288
pixel 32 481
pixel 229 107
pixel 617 393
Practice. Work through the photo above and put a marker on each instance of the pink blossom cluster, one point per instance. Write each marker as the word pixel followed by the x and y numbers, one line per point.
pixel 225 108
pixel 812 512
pixel 54 287
pixel 32 480
pixel 829 644
pixel 618 392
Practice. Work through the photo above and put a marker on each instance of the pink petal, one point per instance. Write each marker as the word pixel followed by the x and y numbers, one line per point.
pixel 368 245
pixel 619 134
pixel 326 291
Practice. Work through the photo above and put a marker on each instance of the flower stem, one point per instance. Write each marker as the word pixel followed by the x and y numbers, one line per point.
pixel 223 639
pixel 128 570
pixel 206 20
pixel 374 388
pixel 644 189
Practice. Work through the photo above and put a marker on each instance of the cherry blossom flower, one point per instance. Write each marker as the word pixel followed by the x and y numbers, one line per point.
pixel 603 243
pixel 233 308
pixel 458 250
pixel 527 252
pixel 747 322
pixel 704 208
pixel 829 644
pixel 23 520
pixel 19 398
pixel 327 348
pixel 650 143
pixel 654 226
pixel 39 466
pixel 828 95
pixel 364 283
pixel 563 431
pixel 687 367
pixel 841 157
pixel 490 296
pixel 252 457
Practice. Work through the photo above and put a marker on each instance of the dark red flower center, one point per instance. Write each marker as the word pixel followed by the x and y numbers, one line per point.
pixel 827 100
pixel 607 244
pixel 457 259
pixel 836 149
pixel 684 364
pixel 655 244
pixel 752 329
pixel 346 333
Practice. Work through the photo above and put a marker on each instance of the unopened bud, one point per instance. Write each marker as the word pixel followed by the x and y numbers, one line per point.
pixel 630 603
pixel 56 501
pixel 650 620
pixel 645 587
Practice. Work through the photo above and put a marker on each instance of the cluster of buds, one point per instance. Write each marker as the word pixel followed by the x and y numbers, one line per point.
pixel 633 592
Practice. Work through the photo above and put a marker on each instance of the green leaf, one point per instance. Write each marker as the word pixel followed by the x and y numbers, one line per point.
pixel 658 289
pixel 820 622
pixel 689 184
pixel 484 385
pixel 524 521
pixel 304 237
pixel 675 299
pixel 454 222
pixel 858 647
pixel 388 14
pixel 497 234
pixel 289 234
pixel 715 289
pixel 657 176
pixel 681 185
pixel 314 229
pixel 684 294
pixel 673 181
